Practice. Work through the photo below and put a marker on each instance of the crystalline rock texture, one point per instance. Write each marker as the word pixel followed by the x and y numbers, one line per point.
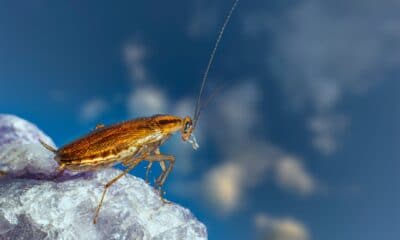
pixel 33 206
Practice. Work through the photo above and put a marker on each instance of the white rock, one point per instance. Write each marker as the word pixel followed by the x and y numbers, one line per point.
pixel 20 150
pixel 46 209
pixel 17 130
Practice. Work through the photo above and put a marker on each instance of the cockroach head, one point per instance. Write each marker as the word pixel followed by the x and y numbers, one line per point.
pixel 187 132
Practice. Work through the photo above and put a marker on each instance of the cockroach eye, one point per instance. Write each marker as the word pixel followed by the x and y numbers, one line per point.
pixel 187 126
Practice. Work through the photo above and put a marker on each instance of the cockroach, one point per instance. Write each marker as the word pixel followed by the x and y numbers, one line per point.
pixel 133 141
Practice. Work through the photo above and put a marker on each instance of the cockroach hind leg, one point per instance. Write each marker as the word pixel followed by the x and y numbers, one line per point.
pixel 133 164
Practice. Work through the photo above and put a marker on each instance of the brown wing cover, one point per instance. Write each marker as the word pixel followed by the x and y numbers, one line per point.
pixel 109 140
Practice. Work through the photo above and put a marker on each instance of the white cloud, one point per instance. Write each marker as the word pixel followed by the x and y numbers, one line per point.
pixel 233 122
pixel 227 185
pixel 326 130
pixel 351 47
pixel 92 109
pixel 239 111
pixel 134 56
pixel 184 107
pixel 291 175
pixel 223 185
pixel 280 228
pixel 145 101
pixel 229 122
pixel 145 98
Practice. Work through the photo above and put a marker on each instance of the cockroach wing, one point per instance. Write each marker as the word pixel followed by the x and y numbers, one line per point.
pixel 113 139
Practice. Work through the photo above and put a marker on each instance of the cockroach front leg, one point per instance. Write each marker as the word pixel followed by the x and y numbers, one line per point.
pixel 163 176
pixel 165 172
pixel 161 179
pixel 148 168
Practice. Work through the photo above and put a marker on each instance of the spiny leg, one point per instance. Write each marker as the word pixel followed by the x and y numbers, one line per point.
pixel 161 179
pixel 131 166
pixel 148 168
pixel 162 164
pixel 126 161
pixel 160 191
pixel 161 159
pixel 164 174
pixel 163 169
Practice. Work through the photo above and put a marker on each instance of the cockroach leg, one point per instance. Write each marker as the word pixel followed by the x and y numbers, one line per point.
pixel 161 179
pixel 126 161
pixel 162 158
pixel 133 164
pixel 163 166
pixel 164 170
pixel 162 163
pixel 148 168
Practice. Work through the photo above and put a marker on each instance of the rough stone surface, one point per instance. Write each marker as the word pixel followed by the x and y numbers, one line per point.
pixel 31 208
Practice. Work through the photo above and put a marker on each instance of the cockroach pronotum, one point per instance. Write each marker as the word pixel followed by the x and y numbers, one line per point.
pixel 133 141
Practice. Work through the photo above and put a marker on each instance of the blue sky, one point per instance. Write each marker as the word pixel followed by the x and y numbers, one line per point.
pixel 301 142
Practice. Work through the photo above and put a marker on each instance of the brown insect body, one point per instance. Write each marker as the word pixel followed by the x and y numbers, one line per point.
pixel 128 142
pixel 113 144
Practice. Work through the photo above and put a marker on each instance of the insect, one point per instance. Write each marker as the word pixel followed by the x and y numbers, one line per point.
pixel 133 141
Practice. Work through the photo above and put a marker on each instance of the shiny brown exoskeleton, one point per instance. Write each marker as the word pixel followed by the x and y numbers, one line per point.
pixel 129 143
pixel 121 142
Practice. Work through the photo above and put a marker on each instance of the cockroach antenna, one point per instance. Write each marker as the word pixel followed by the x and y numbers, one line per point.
pixel 210 61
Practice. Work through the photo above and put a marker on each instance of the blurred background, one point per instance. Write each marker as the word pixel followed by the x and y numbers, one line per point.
pixel 301 143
